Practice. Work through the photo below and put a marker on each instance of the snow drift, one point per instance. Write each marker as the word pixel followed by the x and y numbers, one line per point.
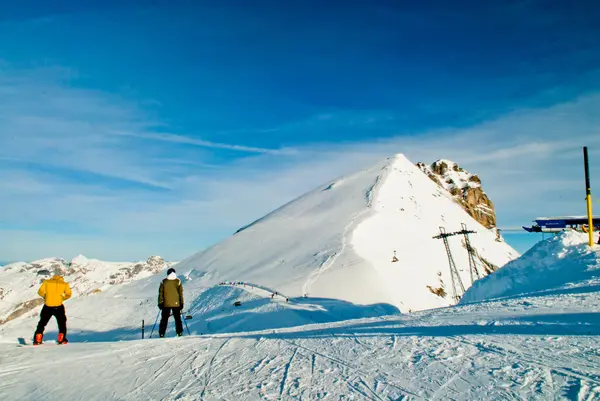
pixel 561 263
pixel 338 242
pixel 243 307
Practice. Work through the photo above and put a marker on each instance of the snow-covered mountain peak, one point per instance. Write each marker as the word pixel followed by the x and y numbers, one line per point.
pixel 339 241
pixel 399 157
pixel 156 261
pixel 80 260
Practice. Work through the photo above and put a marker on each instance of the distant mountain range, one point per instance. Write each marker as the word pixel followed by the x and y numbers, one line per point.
pixel 20 281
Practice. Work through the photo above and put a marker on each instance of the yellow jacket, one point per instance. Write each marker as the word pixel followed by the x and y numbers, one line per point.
pixel 55 291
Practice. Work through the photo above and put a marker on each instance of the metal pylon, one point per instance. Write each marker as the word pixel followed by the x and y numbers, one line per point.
pixel 472 265
pixel 455 277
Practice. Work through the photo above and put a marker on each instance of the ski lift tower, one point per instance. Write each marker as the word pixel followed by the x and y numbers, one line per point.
pixel 470 251
pixel 456 280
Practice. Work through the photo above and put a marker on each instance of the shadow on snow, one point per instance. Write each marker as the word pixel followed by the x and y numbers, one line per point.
pixel 214 315
pixel 567 324
pixel 257 314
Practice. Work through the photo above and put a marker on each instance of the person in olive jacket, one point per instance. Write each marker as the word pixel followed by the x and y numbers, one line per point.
pixel 54 291
pixel 170 299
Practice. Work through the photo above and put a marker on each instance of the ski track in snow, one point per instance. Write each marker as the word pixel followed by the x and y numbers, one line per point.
pixel 476 351
pixel 210 368
pixel 367 359
pixel 286 370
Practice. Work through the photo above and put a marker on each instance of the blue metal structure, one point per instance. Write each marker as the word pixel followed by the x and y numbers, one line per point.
pixel 557 224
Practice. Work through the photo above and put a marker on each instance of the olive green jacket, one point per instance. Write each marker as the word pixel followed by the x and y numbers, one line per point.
pixel 170 293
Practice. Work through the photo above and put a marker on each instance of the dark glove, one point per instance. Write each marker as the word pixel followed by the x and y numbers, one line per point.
pixel 160 306
pixel 181 308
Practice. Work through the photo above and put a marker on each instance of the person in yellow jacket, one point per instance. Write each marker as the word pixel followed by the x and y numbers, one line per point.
pixel 54 291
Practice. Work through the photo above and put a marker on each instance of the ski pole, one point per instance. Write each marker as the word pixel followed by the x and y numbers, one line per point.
pixel 154 324
pixel 186 326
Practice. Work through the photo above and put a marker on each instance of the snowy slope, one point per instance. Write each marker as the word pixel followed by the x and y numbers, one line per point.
pixel 19 282
pixel 338 242
pixel 562 263
pixel 535 348
pixel 259 311
pixel 541 346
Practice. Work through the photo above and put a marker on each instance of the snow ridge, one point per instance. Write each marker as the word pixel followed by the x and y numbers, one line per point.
pixel 408 211
pixel 561 263
pixel 370 195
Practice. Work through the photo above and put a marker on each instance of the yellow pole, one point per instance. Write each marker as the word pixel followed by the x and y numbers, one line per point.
pixel 588 197
pixel 590 220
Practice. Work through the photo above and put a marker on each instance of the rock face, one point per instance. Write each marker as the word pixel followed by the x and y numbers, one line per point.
pixel 19 282
pixel 464 187
pixel 153 265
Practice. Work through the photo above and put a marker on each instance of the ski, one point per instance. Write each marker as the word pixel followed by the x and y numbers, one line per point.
pixel 45 343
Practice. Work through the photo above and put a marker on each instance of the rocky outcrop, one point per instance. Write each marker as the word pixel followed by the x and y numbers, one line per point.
pixel 429 172
pixel 21 309
pixel 479 206
pixel 156 262
pixel 153 265
pixel 464 187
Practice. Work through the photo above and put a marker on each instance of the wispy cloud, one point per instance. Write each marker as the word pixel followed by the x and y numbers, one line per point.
pixel 336 119
pixel 82 171
pixel 173 138
pixel 50 124
pixel 530 161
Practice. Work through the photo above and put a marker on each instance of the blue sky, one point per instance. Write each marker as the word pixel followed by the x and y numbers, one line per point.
pixel 161 127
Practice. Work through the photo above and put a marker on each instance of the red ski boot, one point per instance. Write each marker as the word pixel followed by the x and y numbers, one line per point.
pixel 37 339
pixel 62 339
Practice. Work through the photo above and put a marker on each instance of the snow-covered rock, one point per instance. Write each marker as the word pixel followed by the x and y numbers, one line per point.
pixel 20 281
pixel 465 188
pixel 561 263
pixel 339 241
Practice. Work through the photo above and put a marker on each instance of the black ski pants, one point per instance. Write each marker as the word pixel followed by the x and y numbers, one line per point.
pixel 47 312
pixel 166 312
